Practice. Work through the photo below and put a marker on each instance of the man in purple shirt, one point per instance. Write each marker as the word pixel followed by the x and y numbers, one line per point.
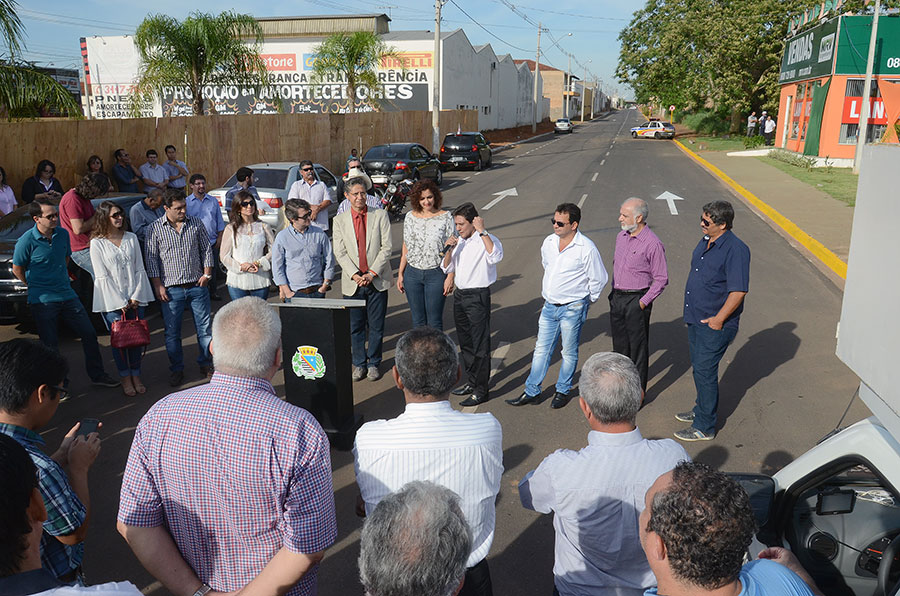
pixel 713 301
pixel 639 277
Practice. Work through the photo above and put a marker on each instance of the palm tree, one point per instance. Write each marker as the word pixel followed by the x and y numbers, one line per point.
pixel 202 50
pixel 353 57
pixel 23 89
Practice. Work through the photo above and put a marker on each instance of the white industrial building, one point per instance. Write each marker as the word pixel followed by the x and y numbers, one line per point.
pixel 472 78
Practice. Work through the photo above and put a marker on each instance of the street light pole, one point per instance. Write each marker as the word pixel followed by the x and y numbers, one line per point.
pixel 436 83
pixel 537 73
pixel 567 83
pixel 863 128
pixel 584 90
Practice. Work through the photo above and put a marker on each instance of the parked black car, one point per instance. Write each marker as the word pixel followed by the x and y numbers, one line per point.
pixel 14 293
pixel 399 161
pixel 466 149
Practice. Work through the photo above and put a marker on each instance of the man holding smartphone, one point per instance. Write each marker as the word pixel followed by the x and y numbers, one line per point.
pixel 30 391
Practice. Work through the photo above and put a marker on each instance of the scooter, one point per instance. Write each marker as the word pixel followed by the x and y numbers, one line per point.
pixel 394 197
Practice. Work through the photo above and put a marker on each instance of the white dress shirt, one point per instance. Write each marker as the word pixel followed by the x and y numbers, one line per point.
pixel 596 495
pixel 432 441
pixel 574 273
pixel 119 274
pixel 474 266
pixel 314 194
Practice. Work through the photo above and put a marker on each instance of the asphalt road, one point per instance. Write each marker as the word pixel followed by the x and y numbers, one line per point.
pixel 782 386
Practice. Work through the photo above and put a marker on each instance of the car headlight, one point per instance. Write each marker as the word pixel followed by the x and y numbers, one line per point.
pixel 392 188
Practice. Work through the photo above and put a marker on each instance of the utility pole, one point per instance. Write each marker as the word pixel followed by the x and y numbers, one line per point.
pixel 593 97
pixel 436 83
pixel 584 90
pixel 863 128
pixel 537 73
pixel 566 88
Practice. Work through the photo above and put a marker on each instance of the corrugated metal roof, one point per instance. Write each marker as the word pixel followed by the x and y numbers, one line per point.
pixel 323 25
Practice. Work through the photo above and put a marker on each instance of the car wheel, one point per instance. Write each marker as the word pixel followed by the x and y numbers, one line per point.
pixel 656 136
pixel 633 135
pixel 480 165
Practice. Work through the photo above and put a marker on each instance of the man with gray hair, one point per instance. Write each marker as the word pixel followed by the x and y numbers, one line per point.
pixel 597 494
pixel 432 441
pixel 227 485
pixel 639 277
pixel 415 543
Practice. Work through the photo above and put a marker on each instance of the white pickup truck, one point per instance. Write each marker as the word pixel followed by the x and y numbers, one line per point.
pixel 837 506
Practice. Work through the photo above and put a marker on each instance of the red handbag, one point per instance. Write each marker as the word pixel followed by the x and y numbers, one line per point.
pixel 129 333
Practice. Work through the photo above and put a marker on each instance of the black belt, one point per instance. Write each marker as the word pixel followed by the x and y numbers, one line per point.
pixel 618 291
pixel 189 284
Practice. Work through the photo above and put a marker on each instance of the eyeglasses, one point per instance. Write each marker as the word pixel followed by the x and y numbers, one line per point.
pixel 51 216
pixel 705 222
pixel 304 217
pixel 247 203
pixel 557 224
pixel 61 392
pixel 117 214
pixel 306 169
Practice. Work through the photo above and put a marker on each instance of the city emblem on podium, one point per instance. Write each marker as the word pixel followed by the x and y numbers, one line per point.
pixel 307 363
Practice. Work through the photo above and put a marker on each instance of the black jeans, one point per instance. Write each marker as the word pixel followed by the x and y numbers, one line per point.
pixel 478 580
pixel 472 315
pixel 630 329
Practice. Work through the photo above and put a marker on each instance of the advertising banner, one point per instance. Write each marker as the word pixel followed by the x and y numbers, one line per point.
pixel 853 47
pixel 809 55
pixel 853 107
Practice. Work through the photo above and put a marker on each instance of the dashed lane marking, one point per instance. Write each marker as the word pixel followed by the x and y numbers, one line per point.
pixel 602 161
pixel 594 177
pixel 583 199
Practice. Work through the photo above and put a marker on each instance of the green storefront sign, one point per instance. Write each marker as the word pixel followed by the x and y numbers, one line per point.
pixel 853 46
pixel 810 54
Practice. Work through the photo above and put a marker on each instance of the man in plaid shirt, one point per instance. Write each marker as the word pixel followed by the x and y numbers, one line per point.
pixel 30 392
pixel 226 484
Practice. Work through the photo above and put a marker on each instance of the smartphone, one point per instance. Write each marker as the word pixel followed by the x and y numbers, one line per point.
pixel 88 426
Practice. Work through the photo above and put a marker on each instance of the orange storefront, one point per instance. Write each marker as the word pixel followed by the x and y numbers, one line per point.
pixel 823 75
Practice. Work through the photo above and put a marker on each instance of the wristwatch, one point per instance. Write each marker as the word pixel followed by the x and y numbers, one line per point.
pixel 203 590
pixel 207 276
pixel 484 233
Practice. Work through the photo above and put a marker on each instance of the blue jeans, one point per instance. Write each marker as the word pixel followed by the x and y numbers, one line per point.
pixel 372 316
pixel 424 290
pixel 128 361
pixel 707 346
pixel 46 318
pixel 197 298
pixel 236 293
pixel 565 320
pixel 82 258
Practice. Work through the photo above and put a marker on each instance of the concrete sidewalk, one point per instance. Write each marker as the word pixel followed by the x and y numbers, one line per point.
pixel 821 216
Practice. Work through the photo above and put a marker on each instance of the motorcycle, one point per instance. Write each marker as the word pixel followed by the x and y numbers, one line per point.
pixel 394 198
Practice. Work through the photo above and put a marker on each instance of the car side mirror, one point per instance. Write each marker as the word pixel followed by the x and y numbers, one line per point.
pixel 761 489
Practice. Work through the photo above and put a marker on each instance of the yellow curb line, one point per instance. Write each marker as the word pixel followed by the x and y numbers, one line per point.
pixel 828 258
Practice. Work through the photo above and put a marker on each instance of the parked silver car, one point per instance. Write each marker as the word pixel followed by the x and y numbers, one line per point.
pixel 273 182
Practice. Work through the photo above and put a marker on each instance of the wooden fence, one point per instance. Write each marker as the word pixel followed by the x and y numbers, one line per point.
pixel 212 145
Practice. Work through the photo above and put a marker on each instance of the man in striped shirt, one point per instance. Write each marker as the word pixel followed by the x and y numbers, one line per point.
pixel 432 441
pixel 639 277
pixel 180 264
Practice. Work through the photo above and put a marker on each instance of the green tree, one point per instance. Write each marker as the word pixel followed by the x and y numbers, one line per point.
pixel 201 51
pixel 352 58
pixel 23 89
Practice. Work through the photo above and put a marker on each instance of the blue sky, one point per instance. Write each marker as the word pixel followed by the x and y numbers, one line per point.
pixel 53 27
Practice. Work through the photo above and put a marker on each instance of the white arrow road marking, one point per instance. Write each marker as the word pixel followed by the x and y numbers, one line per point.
pixel 670 198
pixel 583 199
pixel 509 192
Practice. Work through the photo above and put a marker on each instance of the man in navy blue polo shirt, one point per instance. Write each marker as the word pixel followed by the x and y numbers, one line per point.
pixel 40 260
pixel 713 301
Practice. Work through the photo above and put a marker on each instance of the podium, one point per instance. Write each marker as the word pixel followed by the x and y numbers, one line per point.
pixel 315 337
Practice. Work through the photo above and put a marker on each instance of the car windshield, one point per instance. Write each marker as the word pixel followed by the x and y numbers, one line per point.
pixel 265 178
pixel 456 141
pixel 668 125
pixel 563 120
pixel 15 224
pixel 386 152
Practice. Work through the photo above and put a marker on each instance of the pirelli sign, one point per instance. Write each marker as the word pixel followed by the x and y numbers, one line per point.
pixel 409 60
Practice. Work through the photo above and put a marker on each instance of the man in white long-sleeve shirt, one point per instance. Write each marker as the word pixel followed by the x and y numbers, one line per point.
pixel 574 276
pixel 470 263
pixel 432 441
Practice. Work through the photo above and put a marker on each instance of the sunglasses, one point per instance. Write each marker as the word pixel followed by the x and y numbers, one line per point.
pixel 306 169
pixel 705 222
pixel 51 216
pixel 117 215
pixel 304 217
pixel 247 203
pixel 557 224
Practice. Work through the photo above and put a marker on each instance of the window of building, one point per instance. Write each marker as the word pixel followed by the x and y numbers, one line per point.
pixel 849 131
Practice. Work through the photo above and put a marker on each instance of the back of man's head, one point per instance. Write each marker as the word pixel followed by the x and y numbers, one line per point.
pixel 243 173
pixel 415 543
pixel 427 362
pixel 246 336
pixel 18 479
pixel 611 386
pixel 25 365
pixel 705 521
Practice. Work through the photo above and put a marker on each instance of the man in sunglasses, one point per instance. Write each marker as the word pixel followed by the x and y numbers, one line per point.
pixel 302 259
pixel 314 192
pixel 574 276
pixel 713 301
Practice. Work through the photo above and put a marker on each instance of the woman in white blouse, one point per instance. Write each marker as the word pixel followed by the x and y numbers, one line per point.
pixel 120 284
pixel 246 249
pixel 8 201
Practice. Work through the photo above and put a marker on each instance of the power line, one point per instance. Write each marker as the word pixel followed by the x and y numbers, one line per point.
pixel 487 30
pixel 68 19
pixel 568 14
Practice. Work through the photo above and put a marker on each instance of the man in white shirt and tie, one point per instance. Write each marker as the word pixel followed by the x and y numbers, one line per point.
pixel 313 192
pixel 470 263
pixel 574 276
pixel 432 441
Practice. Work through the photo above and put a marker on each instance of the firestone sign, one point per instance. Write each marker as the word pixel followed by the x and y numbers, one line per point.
pixel 809 55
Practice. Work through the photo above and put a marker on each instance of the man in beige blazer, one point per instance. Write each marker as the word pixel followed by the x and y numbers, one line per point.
pixel 362 246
